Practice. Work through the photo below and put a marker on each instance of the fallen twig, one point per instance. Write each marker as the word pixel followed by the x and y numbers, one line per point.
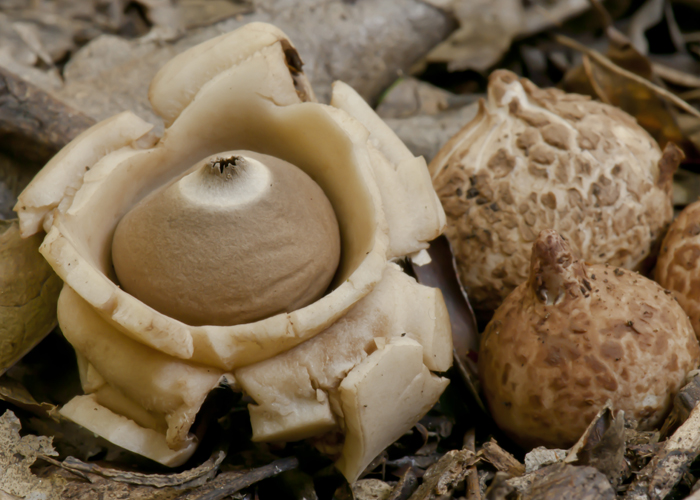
pixel 607 63
pixel 247 479
pixel 473 487
pixel 501 459
pixel 202 471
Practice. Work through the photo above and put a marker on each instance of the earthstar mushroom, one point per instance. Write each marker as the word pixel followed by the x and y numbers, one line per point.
pixel 576 335
pixel 146 374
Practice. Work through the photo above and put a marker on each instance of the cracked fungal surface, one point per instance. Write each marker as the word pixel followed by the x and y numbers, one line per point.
pixel 576 335
pixel 678 266
pixel 534 159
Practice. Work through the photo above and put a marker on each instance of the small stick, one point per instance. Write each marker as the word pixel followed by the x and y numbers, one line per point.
pixel 588 68
pixel 473 487
pixel 604 61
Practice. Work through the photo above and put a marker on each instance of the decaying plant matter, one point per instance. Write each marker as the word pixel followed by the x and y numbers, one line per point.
pixel 329 366
pixel 576 335
pixel 535 159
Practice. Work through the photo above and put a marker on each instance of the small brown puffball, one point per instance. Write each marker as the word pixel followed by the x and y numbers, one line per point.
pixel 576 335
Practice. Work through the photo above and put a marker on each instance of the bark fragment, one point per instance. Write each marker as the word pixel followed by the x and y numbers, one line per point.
pixel 33 124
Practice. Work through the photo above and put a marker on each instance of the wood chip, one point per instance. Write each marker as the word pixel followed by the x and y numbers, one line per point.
pixel 560 481
pixel 441 478
pixel 501 459
pixel 666 469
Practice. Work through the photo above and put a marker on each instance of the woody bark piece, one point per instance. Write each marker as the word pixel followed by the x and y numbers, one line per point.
pixel 568 481
pixel 661 474
pixel 501 459
pixel 683 404
pixel 33 124
pixel 442 477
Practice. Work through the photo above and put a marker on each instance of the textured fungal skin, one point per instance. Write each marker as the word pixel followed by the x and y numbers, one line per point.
pixel 678 266
pixel 535 159
pixel 576 335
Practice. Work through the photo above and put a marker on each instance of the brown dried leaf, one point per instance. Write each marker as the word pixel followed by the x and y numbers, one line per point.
pixel 441 273
pixel 617 89
pixel 28 294
pixel 603 445
pixel 683 404
pixel 17 454
pixel 15 393
pixel 486 30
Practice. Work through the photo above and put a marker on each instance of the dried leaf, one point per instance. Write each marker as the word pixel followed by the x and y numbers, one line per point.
pixel 441 273
pixel 486 30
pixel 14 177
pixel 15 393
pixel 28 294
pixel 603 445
pixel 17 454
pixel 683 403
pixel 621 79
pixel 545 14
pixel 188 14
pixel 409 97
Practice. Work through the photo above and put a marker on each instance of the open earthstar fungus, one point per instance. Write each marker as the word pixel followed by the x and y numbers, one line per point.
pixel 376 335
